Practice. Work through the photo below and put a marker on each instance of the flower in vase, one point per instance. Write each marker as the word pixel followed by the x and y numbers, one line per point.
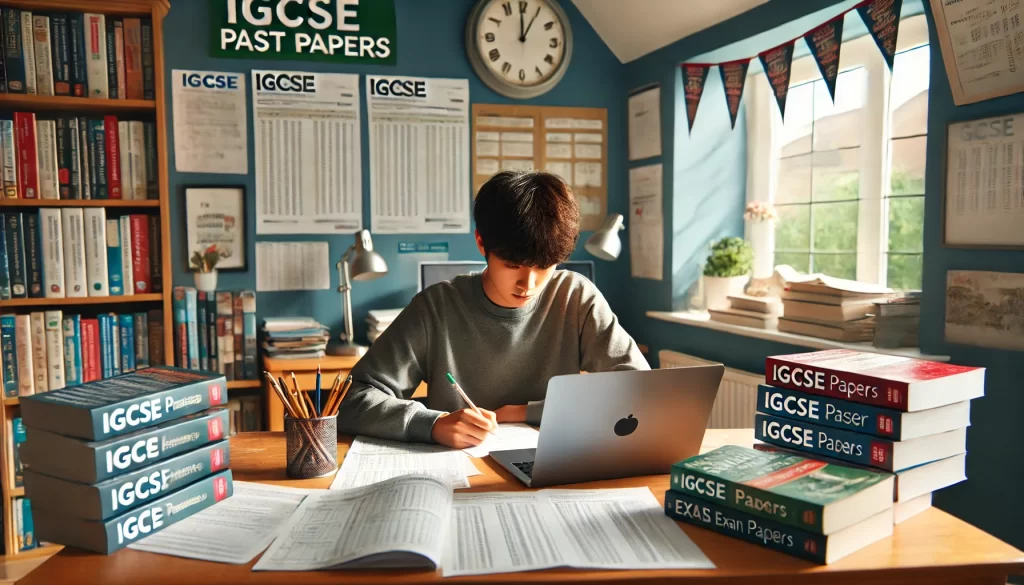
pixel 206 260
pixel 760 211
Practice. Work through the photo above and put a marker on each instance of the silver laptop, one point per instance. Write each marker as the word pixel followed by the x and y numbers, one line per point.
pixel 617 424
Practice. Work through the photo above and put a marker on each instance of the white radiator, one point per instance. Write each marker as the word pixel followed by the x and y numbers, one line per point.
pixel 737 396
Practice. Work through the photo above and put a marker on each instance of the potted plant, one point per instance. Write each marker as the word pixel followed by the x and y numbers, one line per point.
pixel 726 272
pixel 204 267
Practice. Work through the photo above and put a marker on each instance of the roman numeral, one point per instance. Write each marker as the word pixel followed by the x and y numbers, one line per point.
pixel 549 59
pixel 507 7
pixel 494 20
pixel 523 6
pixel 506 67
pixel 522 75
pixel 489 37
pixel 539 72
pixel 554 43
pixel 494 54
pixel 549 25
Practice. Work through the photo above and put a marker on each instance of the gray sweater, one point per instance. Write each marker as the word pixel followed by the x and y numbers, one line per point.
pixel 499 356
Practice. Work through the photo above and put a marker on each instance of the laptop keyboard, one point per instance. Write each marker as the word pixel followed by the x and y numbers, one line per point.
pixel 525 466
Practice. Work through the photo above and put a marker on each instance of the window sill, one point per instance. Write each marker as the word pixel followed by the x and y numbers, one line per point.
pixel 701 319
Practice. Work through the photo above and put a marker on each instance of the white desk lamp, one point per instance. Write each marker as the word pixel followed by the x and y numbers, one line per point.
pixel 359 262
pixel 605 243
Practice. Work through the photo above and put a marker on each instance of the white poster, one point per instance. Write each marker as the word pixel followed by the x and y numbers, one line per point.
pixel 210 125
pixel 982 45
pixel 646 231
pixel 292 266
pixel 985 182
pixel 645 124
pixel 419 154
pixel 308 164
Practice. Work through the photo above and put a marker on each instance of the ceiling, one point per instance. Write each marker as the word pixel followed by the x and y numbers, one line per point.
pixel 634 28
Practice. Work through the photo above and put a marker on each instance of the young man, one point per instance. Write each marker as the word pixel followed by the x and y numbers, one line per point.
pixel 502 333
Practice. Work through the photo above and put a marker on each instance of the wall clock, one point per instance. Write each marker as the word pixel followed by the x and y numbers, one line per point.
pixel 519 48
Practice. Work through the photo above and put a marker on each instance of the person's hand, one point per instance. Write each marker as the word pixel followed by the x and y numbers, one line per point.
pixel 463 428
pixel 511 413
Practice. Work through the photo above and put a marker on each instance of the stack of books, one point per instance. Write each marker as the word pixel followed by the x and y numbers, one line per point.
pixel 109 462
pixel 378 320
pixel 897 321
pixel 831 308
pixel 749 311
pixel 294 338
pixel 900 415
pixel 215 331
pixel 811 509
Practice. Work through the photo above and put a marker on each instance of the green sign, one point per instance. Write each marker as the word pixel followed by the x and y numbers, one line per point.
pixel 339 31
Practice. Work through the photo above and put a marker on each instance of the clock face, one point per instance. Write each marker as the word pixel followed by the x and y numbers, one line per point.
pixel 521 42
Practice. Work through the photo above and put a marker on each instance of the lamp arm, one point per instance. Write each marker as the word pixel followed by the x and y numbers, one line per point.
pixel 345 288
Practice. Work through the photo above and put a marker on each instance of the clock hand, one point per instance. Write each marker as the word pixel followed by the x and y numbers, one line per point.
pixel 522 35
pixel 535 14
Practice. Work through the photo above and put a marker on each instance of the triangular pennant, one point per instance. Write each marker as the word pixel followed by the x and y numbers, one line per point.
pixel 776 63
pixel 734 77
pixel 694 76
pixel 824 43
pixel 882 17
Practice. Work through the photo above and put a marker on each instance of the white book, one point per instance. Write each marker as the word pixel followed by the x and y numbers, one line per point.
pixel 38 324
pixel 28 51
pixel 46 153
pixel 96 251
pixel 96 55
pixel 23 354
pixel 124 143
pixel 53 321
pixel 10 159
pixel 126 255
pixel 137 132
pixel 43 54
pixel 52 235
pixel 74 252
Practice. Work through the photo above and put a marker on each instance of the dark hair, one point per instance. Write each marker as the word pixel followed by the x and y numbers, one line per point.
pixel 527 218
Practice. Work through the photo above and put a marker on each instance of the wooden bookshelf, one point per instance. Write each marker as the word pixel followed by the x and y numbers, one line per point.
pixel 155 110
pixel 244 384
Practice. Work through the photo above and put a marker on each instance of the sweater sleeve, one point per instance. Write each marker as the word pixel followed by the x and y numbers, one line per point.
pixel 376 405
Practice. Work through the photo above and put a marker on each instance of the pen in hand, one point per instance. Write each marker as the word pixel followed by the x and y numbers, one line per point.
pixel 462 393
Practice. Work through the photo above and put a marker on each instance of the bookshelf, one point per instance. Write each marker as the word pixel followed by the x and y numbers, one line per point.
pixel 150 110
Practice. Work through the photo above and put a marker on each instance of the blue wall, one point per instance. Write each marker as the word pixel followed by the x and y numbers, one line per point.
pixel 431 45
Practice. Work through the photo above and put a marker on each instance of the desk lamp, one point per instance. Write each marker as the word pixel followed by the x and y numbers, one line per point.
pixel 360 262
pixel 605 243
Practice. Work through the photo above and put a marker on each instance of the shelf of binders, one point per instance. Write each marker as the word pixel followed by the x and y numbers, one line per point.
pixel 79 301
pixel 125 203
pixel 59 103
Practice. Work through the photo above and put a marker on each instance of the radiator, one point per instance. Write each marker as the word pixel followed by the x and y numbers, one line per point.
pixel 737 396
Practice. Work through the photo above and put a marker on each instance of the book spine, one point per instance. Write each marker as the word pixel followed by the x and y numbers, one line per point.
pixel 136 132
pixel 141 328
pixel 62 137
pixel 238 329
pixel 225 335
pixel 46 155
pixel 191 303
pixel 114 272
pixel 61 54
pixel 854 447
pixel 204 359
pixel 211 331
pixel 5 272
pixel 836 384
pixel 93 339
pixel 106 349
pixel 10 159
pixel 150 164
pixel 23 348
pixel 155 271
pixel 133 59
pixel 54 350
pixel 96 55
pixel 74 159
pixel 9 351
pixel 76 44
pixel 53 252
pixel 830 412
pixel 14 57
pixel 115 343
pixel 3 59
pixel 249 354
pixel 180 327
pixel 43 54
pixel 122 90
pixel 126 256
pixel 98 156
pixel 113 156
pixel 748 527
pixel 73 221
pixel 124 152
pixel 72 327
pixel 17 438
pixel 16 262
pixel 28 164
pixel 155 330
pixel 28 50
pixel 127 329
pixel 33 256
pixel 37 321
pixel 28 531
pixel 86 159
pixel 96 251
pixel 148 82
pixel 140 253
pixel 111 42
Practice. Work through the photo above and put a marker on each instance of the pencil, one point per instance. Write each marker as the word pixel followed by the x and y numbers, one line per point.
pixel 335 386
pixel 337 403
pixel 462 393
pixel 280 395
pixel 319 405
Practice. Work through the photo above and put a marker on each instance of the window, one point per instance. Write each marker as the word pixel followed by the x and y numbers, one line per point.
pixel 846 177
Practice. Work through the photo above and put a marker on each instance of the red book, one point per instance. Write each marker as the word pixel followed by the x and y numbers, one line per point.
pixel 899 383
pixel 133 58
pixel 140 253
pixel 28 166
pixel 113 147
pixel 91 369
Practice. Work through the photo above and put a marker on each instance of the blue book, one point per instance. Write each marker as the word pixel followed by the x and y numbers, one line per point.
pixel 14 57
pixel 115 344
pixel 5 275
pixel 27 536
pixel 127 329
pixel 76 46
pixel 9 352
pixel 191 301
pixel 3 65
pixel 18 436
pixel 15 236
pixel 884 454
pixel 106 348
pixel 72 328
pixel 115 273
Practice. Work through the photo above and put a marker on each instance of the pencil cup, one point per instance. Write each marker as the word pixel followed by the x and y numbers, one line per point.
pixel 312 445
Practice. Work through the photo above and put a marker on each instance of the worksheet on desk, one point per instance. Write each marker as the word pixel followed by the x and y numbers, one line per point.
pixel 507 437
pixel 374 460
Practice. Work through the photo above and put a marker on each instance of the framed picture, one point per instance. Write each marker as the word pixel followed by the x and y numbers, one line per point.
pixel 985 309
pixel 215 216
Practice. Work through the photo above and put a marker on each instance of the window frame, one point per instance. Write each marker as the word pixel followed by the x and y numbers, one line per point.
pixel 763 146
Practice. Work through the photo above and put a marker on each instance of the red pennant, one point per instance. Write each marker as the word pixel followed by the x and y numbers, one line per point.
pixel 776 63
pixel 734 77
pixel 882 17
pixel 694 76
pixel 824 43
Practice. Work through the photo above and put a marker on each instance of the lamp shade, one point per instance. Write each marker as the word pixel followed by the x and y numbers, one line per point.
pixel 605 242
pixel 364 262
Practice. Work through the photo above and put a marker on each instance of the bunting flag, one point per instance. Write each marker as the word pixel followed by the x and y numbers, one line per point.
pixel 824 43
pixel 776 63
pixel 882 17
pixel 694 76
pixel 734 77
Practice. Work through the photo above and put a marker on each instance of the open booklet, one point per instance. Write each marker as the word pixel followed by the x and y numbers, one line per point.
pixel 416 521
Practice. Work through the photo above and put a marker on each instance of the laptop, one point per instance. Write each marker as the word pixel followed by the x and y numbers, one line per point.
pixel 617 424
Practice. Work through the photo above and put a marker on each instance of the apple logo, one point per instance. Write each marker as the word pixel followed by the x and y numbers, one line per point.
pixel 626 426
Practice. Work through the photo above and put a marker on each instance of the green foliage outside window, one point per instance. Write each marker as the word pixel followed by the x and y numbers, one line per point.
pixel 730 257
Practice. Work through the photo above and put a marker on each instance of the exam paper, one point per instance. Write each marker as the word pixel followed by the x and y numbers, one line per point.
pixel 502 532
pixel 210 123
pixel 292 266
pixel 508 436
pixel 234 530
pixel 646 231
pixel 370 461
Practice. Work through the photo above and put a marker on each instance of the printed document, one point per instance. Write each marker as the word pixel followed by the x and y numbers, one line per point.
pixel 374 460
pixel 645 124
pixel 986 42
pixel 234 530
pixel 292 266
pixel 501 532
pixel 646 226
pixel 508 436
pixel 210 122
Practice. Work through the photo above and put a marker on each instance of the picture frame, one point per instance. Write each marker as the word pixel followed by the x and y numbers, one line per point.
pixel 215 214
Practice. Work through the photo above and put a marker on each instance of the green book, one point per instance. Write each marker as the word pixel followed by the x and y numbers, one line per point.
pixel 812 495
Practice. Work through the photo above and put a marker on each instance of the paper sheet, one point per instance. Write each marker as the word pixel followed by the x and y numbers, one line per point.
pixel 419 154
pixel 210 122
pixel 335 527
pixel 292 266
pixel 308 165
pixel 646 231
pixel 234 530
pixel 373 460
pixel 645 124
pixel 601 529
pixel 508 436
pixel 985 38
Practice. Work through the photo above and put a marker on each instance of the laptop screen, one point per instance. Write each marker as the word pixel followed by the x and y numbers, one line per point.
pixel 435 272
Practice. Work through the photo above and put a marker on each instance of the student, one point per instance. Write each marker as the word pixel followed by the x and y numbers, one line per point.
pixel 502 333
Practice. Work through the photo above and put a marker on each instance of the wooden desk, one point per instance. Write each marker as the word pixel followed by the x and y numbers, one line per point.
pixel 932 548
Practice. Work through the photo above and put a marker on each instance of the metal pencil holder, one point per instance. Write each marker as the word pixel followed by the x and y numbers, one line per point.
pixel 312 445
